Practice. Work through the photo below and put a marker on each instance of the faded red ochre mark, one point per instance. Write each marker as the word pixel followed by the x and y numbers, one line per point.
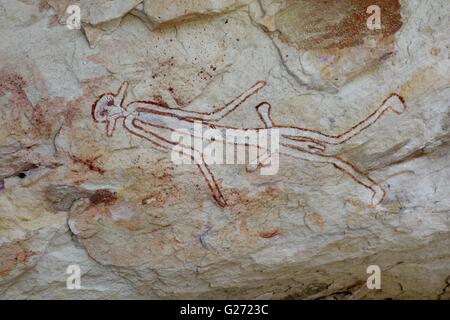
pixel 156 198
pixel 103 196
pixel 89 163
pixel 240 201
pixel 148 117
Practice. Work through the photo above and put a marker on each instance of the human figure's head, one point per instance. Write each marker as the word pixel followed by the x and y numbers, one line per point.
pixel 108 108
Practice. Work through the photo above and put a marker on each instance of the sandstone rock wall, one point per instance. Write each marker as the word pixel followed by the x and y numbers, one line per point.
pixel 140 226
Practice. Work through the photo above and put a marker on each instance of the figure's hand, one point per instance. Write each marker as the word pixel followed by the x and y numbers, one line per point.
pixel 396 103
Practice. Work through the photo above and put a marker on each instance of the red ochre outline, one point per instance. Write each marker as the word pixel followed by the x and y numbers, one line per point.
pixel 213 185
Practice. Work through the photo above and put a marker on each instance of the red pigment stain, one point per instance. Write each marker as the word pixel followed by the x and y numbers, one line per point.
pixel 103 197
pixel 312 24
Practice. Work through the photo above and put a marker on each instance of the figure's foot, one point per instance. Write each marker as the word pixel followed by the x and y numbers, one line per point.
pixel 220 200
pixel 396 103
pixel 378 195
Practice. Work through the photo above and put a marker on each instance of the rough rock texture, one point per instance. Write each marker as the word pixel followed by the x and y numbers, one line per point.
pixel 162 12
pixel 140 226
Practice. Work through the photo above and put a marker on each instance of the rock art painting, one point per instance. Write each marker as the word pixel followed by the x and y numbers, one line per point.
pixel 299 143
pixel 224 149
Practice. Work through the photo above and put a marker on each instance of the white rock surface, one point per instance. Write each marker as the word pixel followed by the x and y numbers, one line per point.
pixel 140 226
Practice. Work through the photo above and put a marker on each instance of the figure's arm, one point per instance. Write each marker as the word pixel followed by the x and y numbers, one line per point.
pixel 394 102
pixel 131 124
pixel 221 112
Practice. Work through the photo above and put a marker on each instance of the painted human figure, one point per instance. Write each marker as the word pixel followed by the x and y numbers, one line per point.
pixel 156 123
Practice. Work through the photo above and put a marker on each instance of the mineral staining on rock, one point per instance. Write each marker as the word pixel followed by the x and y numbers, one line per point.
pixel 317 25
pixel 334 41
pixel 140 226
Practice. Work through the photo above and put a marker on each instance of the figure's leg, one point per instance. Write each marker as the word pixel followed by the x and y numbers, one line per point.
pixel 377 191
pixel 199 160
pixel 205 171
pixel 133 127
pixel 394 102
pixel 210 180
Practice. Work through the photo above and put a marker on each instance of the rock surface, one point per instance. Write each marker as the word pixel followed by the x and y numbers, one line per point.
pixel 162 12
pixel 140 226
